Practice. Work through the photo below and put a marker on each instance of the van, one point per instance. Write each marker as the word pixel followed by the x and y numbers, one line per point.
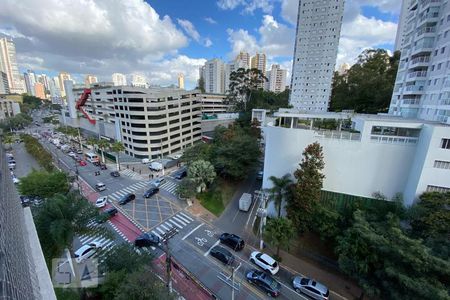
pixel 145 161
pixel 100 186
pixel 92 157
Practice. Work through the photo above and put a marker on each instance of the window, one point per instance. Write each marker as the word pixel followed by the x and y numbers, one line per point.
pixel 440 189
pixel 440 164
pixel 445 144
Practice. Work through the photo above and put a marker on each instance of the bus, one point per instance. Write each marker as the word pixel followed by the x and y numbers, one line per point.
pixel 92 157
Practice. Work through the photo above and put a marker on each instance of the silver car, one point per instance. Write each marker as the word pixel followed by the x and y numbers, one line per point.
pixel 312 288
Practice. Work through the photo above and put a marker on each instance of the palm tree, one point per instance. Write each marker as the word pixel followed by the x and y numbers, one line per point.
pixel 279 190
pixel 8 139
pixel 117 147
pixel 202 173
pixel 279 232
pixel 92 142
pixel 103 144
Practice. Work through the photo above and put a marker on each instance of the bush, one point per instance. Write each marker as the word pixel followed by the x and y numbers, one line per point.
pixel 43 157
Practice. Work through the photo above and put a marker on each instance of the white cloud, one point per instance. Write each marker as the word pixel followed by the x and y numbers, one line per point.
pixel 189 28
pixel 208 42
pixel 210 20
pixel 249 6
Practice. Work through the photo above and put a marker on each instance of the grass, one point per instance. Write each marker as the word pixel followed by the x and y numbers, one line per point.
pixel 218 196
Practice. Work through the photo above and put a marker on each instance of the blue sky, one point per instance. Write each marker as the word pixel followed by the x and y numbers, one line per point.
pixel 162 38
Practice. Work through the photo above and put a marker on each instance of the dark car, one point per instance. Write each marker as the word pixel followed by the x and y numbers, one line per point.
pixel 103 167
pixel 115 174
pixel 222 254
pixel 106 215
pixel 146 240
pixel 233 241
pixel 265 282
pixel 150 192
pixel 181 174
pixel 26 201
pixel 127 198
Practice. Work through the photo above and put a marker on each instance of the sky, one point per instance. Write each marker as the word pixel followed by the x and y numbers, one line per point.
pixel 162 38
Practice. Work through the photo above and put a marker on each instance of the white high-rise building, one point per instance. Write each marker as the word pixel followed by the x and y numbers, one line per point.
pixel 139 81
pixel 213 74
pixel 8 65
pixel 315 52
pixel 245 58
pixel 90 79
pixel 422 86
pixel 232 67
pixel 400 36
pixel 63 76
pixel 276 79
pixel 119 79
pixel 259 62
pixel 181 81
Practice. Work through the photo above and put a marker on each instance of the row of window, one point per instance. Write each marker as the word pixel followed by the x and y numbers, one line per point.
pixel 440 164
pixel 440 189
pixel 445 143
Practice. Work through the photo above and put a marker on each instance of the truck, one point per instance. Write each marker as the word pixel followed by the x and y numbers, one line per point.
pixel 245 202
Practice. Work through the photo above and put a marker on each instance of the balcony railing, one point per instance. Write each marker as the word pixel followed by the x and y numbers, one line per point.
pixel 421 59
pixel 426 30
pixel 340 135
pixel 417 74
pixel 413 88
pixel 393 139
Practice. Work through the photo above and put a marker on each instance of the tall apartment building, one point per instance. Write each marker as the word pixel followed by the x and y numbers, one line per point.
pixel 28 85
pixel 400 36
pixel 315 52
pixel 61 78
pixel 181 81
pixel 90 79
pixel 8 65
pixel 422 86
pixel 119 79
pixel 139 81
pixel 276 79
pixel 213 74
pixel 4 86
pixel 8 108
pixel 245 58
pixel 258 61
pixel 39 90
pixel 230 68
pixel 150 122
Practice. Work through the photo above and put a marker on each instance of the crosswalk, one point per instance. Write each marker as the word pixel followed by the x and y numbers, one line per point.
pixel 132 174
pixel 178 221
pixel 130 189
pixel 169 186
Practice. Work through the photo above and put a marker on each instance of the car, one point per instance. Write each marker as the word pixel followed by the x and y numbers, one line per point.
pixel 233 241
pixel 265 282
pixel 72 154
pixel 115 174
pixel 82 163
pixel 265 262
pixel 157 181
pixel 145 161
pixel 11 167
pixel 79 151
pixel 147 240
pixel 16 180
pixel 106 215
pixel 87 251
pixel 101 202
pixel 8 154
pixel 150 192
pixel 222 254
pixel 103 167
pixel 96 163
pixel 126 198
pixel 310 287
pixel 100 186
pixel 260 175
pixel 10 158
pixel 181 174
pixel 25 200
pixel 12 163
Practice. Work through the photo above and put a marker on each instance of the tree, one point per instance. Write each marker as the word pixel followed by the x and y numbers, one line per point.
pixel 306 192
pixel 367 86
pixel 280 190
pixel 202 174
pixel 8 139
pixel 390 265
pixel 117 147
pixel 198 151
pixel 103 144
pixel 242 83
pixel 124 257
pixel 201 84
pixel 186 189
pixel 44 184
pixel 279 232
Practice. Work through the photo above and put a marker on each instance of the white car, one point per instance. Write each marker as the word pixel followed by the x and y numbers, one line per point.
pixel 101 202
pixel 72 154
pixel 87 251
pixel 16 180
pixel 265 262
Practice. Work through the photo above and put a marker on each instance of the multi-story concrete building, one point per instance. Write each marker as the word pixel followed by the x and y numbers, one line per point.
pixel 244 57
pixel 258 61
pixel 213 74
pixel 4 86
pixel 90 79
pixel 181 81
pixel 400 36
pixel 63 76
pixel 150 122
pixel 315 52
pixel 230 68
pixel 422 86
pixel 8 108
pixel 119 79
pixel 276 79
pixel 138 80
pixel 213 104
pixel 366 154
pixel 39 90
pixel 8 64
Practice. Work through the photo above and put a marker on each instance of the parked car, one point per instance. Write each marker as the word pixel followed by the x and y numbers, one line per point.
pixel 150 192
pixel 157 181
pixel 106 215
pixel 100 186
pixel 265 262
pixel 222 254
pixel 233 241
pixel 309 287
pixel 126 198
pixel 101 202
pixel 16 180
pixel 181 174
pixel 12 163
pixel 82 163
pixel 260 175
pixel 265 282
pixel 147 240
pixel 25 200
pixel 79 151
pixel 115 174
pixel 145 161
pixel 87 251
pixel 72 154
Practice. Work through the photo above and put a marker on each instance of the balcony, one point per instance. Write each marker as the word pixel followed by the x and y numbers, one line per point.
pixel 428 3
pixel 417 75
pixel 426 30
pixel 393 139
pixel 421 61
pixel 413 89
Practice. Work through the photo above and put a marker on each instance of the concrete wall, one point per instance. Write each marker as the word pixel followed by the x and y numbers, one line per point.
pixel 210 125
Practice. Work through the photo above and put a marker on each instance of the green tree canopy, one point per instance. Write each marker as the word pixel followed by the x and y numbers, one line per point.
pixel 280 190
pixel 186 189
pixel 44 184
pixel 279 232
pixel 367 87
pixel 202 174
pixel 242 83
pixel 199 151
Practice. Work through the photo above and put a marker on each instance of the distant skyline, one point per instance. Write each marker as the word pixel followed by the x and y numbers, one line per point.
pixel 164 38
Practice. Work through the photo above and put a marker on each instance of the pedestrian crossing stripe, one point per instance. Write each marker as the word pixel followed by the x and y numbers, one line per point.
pixel 179 220
pixel 176 224
pixel 186 216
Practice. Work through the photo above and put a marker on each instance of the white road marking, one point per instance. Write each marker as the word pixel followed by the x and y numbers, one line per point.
pixel 160 230
pixel 176 224
pixel 215 244
pixel 180 220
pixel 186 216
pixel 192 231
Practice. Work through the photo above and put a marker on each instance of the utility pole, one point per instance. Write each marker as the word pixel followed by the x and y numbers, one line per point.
pixel 232 283
pixel 165 239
